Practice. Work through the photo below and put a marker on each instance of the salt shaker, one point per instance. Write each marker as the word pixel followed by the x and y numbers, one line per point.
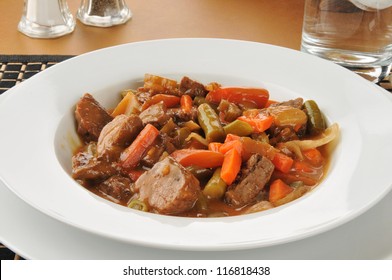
pixel 46 19
pixel 103 13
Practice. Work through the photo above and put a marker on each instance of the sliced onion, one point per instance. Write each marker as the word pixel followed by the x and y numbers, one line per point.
pixel 197 137
pixel 296 146
pixel 327 136
pixel 260 206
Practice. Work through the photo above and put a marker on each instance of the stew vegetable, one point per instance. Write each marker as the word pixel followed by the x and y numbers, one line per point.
pixel 188 149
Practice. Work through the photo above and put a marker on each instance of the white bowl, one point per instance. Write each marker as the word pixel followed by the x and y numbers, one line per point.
pixel 38 136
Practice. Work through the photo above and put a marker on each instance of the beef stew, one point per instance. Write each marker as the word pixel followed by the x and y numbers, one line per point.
pixel 194 150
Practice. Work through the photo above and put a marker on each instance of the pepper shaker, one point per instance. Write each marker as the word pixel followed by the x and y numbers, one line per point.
pixel 46 19
pixel 103 13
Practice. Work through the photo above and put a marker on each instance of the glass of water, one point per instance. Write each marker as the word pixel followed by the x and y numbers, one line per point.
pixel 356 34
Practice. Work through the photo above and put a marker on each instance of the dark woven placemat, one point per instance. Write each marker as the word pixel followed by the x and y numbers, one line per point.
pixel 17 68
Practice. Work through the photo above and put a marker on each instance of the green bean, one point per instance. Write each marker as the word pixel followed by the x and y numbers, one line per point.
pixel 209 122
pixel 198 100
pixel 239 128
pixel 316 122
pixel 202 203
pixel 215 187
pixel 138 205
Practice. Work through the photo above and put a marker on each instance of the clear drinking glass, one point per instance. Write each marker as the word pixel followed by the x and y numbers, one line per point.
pixel 356 34
pixel 103 13
pixel 46 19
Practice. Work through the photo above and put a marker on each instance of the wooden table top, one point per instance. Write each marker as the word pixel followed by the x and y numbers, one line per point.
pixel 277 22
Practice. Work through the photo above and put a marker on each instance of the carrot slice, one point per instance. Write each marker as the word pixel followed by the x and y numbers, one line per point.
pixel 259 124
pixel 278 190
pixel 214 146
pixel 231 137
pixel 186 103
pixel 303 167
pixel 282 162
pixel 198 157
pixel 314 156
pixel 169 100
pixel 131 156
pixel 227 146
pixel 231 166
pixel 238 95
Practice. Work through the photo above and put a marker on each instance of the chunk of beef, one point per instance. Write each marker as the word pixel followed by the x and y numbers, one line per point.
pixel 168 143
pixel 155 115
pixel 290 121
pixel 117 135
pixel 116 187
pixel 91 117
pixel 253 179
pixel 153 154
pixel 296 103
pixel 168 187
pixel 180 115
pixel 192 88
pixel 280 134
pixel 228 112
pixel 87 166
